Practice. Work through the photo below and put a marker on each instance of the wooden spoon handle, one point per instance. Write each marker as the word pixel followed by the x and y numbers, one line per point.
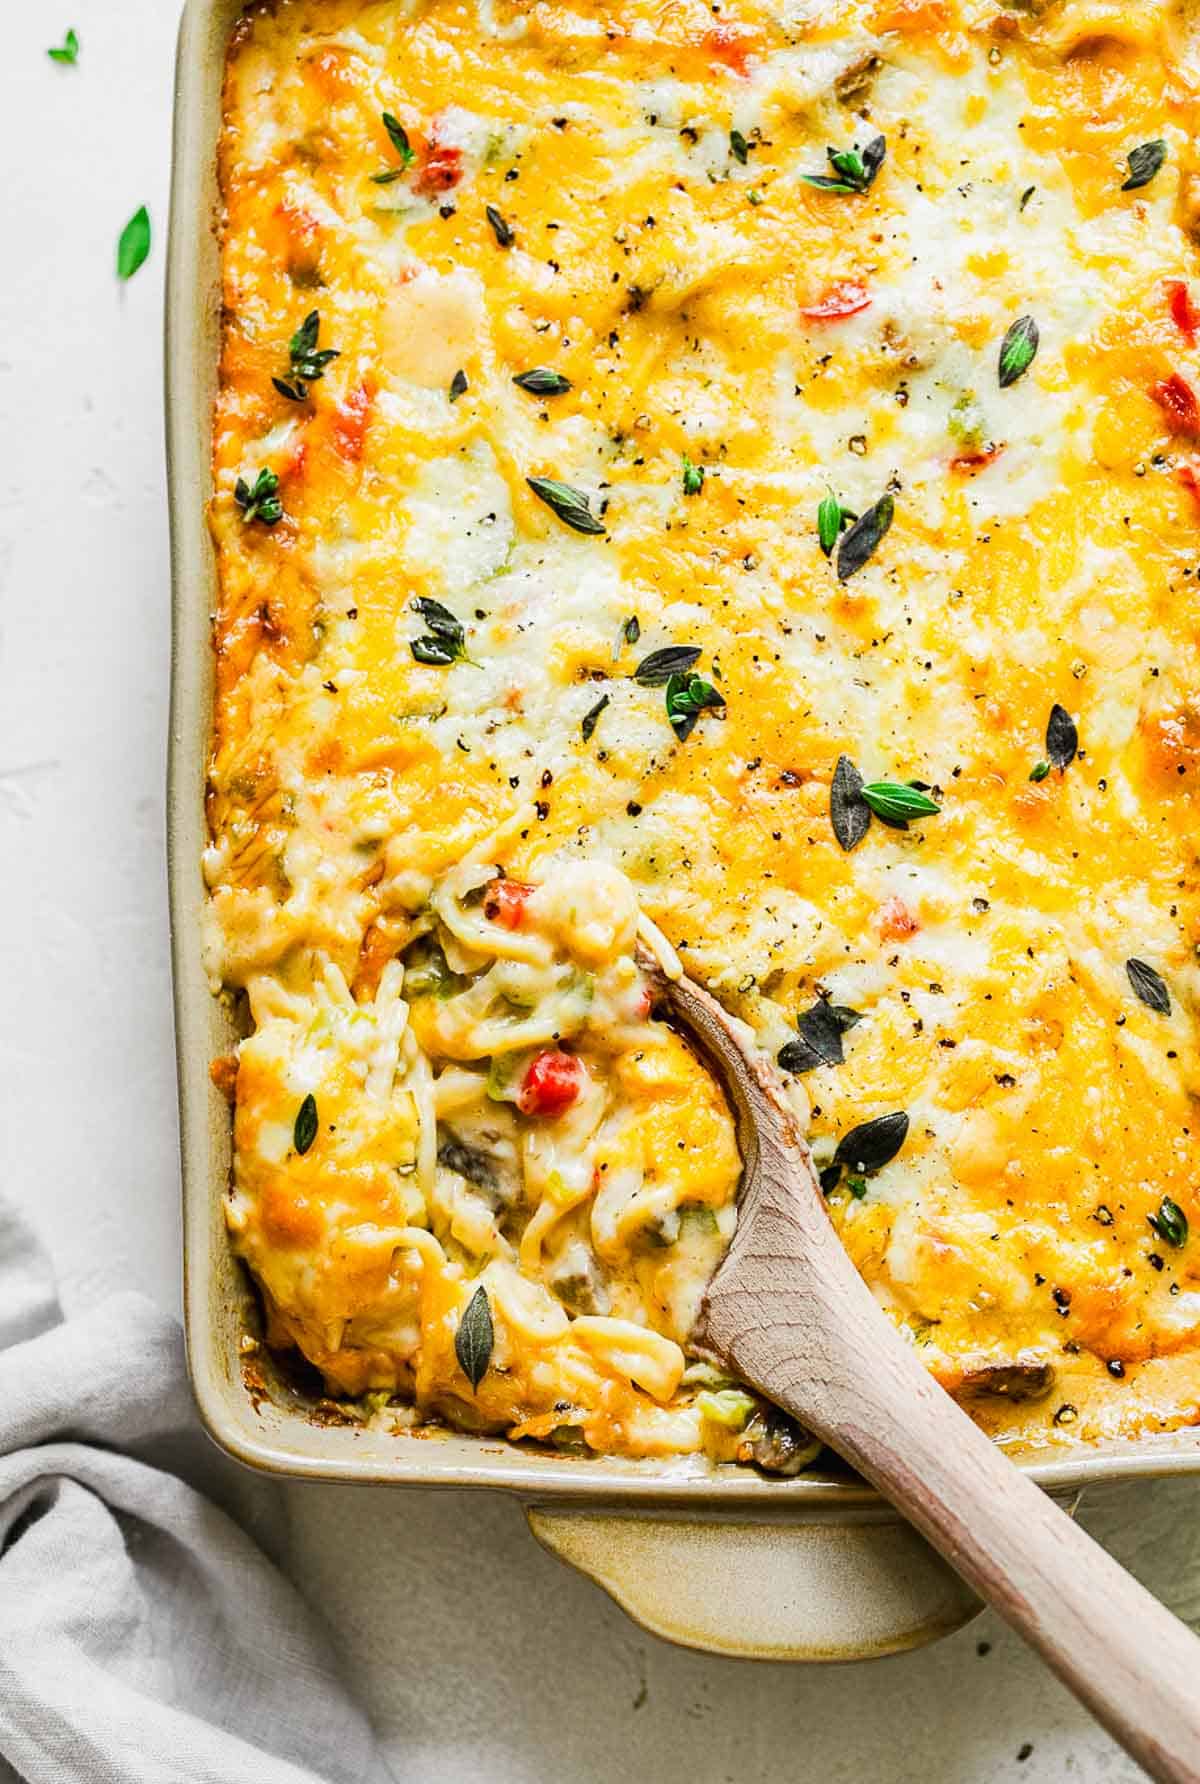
pixel 788 1309
pixel 862 1389
pixel 1135 1665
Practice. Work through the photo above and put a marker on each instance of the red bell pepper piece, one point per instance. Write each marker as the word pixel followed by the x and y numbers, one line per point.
pixel 553 1081
pixel 847 298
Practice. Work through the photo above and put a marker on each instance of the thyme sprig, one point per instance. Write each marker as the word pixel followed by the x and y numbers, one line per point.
pixel 306 362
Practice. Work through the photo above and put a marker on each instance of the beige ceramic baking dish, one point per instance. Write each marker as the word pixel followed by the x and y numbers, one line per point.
pixel 815 1568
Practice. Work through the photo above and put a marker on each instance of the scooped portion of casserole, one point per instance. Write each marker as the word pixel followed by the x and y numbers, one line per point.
pixel 729 474
pixel 484 1178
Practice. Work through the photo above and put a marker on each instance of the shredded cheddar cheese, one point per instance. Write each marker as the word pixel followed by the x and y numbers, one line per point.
pixel 629 413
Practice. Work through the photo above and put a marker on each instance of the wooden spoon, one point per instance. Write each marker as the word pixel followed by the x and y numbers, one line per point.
pixel 792 1316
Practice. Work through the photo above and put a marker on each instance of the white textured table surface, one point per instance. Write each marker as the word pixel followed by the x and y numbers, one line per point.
pixel 482 1658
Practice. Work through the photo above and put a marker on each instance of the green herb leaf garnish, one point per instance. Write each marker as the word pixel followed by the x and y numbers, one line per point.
pixel 693 477
pixel 502 230
pixel 134 245
pixel 592 718
pixel 864 1150
pixel 739 148
pixel 860 544
pixel 1039 771
pixel 829 523
pixel 687 697
pixel 68 51
pixel 1144 162
pixel 475 1338
pixel 657 669
pixel 849 812
pixel 541 381
pixel 1018 350
pixel 458 385
pixel 821 1030
pixel 872 1144
pixel 399 140
pixel 826 182
pixel 434 653
pixel 439 619
pixel 305 362
pixel 852 171
pixel 445 642
pixel 1062 737
pixel 831 519
pixel 259 500
pixel 571 505
pixel 305 1129
pixel 898 803
pixel 630 632
pixel 1170 1223
pixel 852 803
pixel 1149 986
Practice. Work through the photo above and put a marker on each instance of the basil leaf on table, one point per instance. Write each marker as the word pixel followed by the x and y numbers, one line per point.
pixel 134 245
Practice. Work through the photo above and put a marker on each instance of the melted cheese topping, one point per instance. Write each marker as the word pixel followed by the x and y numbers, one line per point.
pixel 616 193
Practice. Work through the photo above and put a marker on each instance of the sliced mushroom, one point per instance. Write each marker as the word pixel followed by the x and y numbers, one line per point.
pixel 470 1163
pixel 1019 1382
pixel 777 1444
pixel 854 83
pixel 484 1154
pixel 662 1230
pixel 576 1278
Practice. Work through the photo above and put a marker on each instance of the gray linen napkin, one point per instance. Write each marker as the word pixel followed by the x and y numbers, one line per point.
pixel 144 1638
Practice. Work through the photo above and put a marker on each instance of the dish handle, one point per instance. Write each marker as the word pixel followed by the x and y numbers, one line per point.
pixel 804 1587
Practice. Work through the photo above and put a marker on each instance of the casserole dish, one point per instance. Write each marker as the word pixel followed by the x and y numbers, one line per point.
pixel 808 1568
